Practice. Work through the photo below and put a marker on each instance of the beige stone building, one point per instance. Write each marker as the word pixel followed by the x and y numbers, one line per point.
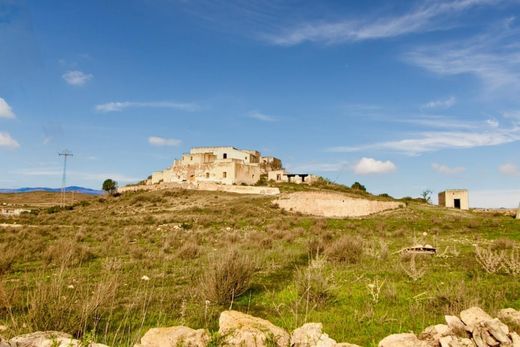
pixel 454 198
pixel 283 176
pixel 221 165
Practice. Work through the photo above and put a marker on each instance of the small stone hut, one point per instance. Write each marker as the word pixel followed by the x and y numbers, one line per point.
pixel 454 198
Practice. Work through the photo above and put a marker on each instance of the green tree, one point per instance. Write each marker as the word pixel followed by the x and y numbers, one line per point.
pixel 110 186
pixel 358 186
pixel 427 195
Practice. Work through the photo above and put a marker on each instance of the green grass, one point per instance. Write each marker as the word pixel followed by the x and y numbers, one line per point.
pixel 119 240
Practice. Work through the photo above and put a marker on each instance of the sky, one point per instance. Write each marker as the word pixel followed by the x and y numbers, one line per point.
pixel 402 96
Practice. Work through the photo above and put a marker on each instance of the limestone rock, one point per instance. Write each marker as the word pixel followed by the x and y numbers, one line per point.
pixel 456 325
pixel 498 330
pixel 240 329
pixel 346 344
pixel 48 339
pixel 311 335
pixel 402 340
pixel 515 338
pixel 474 315
pixel 455 341
pixel 4 342
pixel 435 332
pixel 510 316
pixel 174 336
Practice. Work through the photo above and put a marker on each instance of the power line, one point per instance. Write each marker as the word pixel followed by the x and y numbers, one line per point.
pixel 65 154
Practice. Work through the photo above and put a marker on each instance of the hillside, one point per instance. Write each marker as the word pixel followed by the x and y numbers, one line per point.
pixel 111 268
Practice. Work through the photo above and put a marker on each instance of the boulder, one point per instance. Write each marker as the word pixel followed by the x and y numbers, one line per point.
pixel 474 315
pixel 311 335
pixel 174 336
pixel 510 316
pixel 346 344
pixel 240 329
pixel 49 339
pixel 498 330
pixel 435 332
pixel 402 340
pixel 4 342
pixel 515 338
pixel 457 326
pixel 455 341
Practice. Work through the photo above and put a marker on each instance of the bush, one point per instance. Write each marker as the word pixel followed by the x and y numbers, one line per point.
pixel 228 276
pixel 312 283
pixel 347 249
pixel 189 250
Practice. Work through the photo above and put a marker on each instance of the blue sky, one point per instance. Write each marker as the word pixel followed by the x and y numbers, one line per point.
pixel 401 96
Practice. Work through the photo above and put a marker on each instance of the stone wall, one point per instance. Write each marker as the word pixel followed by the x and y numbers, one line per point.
pixel 203 186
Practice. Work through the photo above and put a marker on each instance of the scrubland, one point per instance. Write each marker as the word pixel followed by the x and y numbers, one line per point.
pixel 111 268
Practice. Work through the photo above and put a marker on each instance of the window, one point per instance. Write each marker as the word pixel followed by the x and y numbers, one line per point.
pixel 278 177
pixel 224 156
pixel 224 174
pixel 191 158
pixel 207 174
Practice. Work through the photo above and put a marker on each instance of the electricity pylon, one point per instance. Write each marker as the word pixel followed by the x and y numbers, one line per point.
pixel 65 154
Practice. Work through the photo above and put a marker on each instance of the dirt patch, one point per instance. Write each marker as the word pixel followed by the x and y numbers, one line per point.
pixel 327 204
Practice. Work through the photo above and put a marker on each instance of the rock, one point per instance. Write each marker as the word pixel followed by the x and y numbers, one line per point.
pixel 402 340
pixel 498 330
pixel 49 339
pixel 455 341
pixel 510 316
pixel 346 344
pixel 515 338
pixel 474 315
pixel 456 325
pixel 242 329
pixel 174 336
pixel 311 335
pixel 435 332
pixel 4 342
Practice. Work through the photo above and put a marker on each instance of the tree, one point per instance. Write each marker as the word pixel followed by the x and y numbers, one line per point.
pixel 358 186
pixel 110 186
pixel 427 195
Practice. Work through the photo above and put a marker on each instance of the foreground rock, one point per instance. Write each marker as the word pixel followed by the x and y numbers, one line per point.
pixel 175 336
pixel 49 339
pixel 311 334
pixel 240 329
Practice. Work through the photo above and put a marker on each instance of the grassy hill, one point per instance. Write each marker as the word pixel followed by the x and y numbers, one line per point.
pixel 112 268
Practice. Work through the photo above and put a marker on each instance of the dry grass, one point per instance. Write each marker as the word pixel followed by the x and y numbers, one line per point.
pixel 347 249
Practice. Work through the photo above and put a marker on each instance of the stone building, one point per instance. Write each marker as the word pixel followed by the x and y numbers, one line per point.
pixel 282 176
pixel 221 165
pixel 454 198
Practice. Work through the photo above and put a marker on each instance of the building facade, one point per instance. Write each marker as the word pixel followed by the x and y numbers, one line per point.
pixel 454 198
pixel 221 165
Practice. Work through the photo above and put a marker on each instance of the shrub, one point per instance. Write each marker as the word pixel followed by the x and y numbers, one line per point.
pixel 67 252
pixel 189 250
pixel 312 283
pixel 227 277
pixel 347 249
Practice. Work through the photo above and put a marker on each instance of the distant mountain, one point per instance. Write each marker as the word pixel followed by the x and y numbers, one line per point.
pixel 75 189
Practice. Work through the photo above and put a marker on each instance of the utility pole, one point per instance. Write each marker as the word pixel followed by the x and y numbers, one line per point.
pixel 65 154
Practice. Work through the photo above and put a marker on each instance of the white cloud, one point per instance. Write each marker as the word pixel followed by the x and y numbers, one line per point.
pixel 421 19
pixel 261 116
pixel 7 141
pixel 492 58
pixel 366 166
pixel 446 170
pixel 433 141
pixel 161 141
pixel 442 103
pixel 509 169
pixel 76 78
pixel 118 106
pixel 492 123
pixel 5 110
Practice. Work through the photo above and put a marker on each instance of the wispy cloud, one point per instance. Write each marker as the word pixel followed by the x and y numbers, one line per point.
pixel 161 141
pixel 261 116
pixel 5 110
pixel 76 78
pixel 367 166
pixel 423 18
pixel 433 141
pixel 509 169
pixel 118 106
pixel 7 141
pixel 443 122
pixel 492 57
pixel 446 170
pixel 441 103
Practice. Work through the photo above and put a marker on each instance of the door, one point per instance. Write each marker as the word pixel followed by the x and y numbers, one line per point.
pixel 456 202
